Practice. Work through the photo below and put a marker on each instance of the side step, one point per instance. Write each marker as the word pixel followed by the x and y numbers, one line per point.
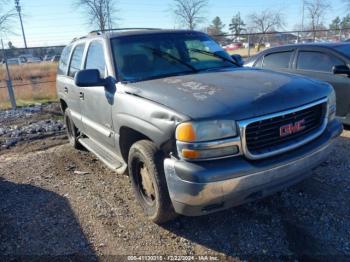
pixel 106 156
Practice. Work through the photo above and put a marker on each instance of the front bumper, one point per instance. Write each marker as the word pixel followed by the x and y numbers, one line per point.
pixel 205 187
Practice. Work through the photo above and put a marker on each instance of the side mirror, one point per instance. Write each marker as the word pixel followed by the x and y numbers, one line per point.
pixel 238 59
pixel 341 70
pixel 89 77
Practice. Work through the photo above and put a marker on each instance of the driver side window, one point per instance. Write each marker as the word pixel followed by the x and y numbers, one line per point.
pixel 95 58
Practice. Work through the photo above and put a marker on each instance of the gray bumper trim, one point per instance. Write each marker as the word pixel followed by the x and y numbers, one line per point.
pixel 193 198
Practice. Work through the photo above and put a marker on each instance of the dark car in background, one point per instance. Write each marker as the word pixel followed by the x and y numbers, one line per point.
pixel 329 62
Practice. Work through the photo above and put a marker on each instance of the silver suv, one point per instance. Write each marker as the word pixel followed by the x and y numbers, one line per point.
pixel 196 131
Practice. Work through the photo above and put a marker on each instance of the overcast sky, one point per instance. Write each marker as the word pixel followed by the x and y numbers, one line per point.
pixel 56 22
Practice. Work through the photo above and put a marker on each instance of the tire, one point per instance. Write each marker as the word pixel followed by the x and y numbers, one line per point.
pixel 72 131
pixel 147 177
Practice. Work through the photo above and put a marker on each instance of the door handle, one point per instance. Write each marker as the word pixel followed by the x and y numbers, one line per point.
pixel 66 90
pixel 81 95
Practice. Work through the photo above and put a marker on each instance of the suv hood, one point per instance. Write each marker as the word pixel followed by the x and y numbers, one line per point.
pixel 239 93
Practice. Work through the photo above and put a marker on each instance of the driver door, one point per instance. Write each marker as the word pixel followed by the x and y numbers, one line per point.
pixel 96 101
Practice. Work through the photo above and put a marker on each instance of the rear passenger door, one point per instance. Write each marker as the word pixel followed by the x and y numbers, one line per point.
pixel 318 63
pixel 97 101
pixel 71 90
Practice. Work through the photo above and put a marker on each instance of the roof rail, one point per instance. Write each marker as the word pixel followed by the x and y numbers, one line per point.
pixel 77 38
pixel 122 29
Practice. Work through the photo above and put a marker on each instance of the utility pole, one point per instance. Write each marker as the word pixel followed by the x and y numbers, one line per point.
pixel 302 19
pixel 302 15
pixel 109 17
pixel 18 8
pixel 9 81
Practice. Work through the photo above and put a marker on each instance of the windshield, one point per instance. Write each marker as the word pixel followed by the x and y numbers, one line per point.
pixel 151 56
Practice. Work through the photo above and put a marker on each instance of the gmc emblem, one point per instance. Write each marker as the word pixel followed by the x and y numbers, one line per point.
pixel 290 129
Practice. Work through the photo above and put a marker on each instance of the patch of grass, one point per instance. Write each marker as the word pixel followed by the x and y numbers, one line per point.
pixel 31 83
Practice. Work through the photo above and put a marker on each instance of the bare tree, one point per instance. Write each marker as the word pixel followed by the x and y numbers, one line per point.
pixel 100 13
pixel 316 10
pixel 189 12
pixel 6 16
pixel 266 21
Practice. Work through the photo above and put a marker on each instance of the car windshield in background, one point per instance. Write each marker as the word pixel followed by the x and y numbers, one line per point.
pixel 344 49
pixel 152 56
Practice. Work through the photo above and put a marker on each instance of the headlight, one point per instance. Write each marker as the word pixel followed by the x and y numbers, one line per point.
pixel 206 130
pixel 332 106
pixel 207 140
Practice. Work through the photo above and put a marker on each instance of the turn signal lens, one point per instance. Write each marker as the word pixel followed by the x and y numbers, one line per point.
pixel 190 154
pixel 185 132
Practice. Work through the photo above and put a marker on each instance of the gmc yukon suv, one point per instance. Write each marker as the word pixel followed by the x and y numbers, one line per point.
pixel 196 131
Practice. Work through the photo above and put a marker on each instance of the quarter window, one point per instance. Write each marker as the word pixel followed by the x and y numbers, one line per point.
pixel 317 61
pixel 277 60
pixel 77 57
pixel 63 64
pixel 95 58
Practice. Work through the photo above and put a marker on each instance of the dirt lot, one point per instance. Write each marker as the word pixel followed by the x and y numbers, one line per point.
pixel 58 201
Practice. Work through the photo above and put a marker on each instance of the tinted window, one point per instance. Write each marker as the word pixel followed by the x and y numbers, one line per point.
pixel 95 58
pixel 63 64
pixel 317 61
pixel 152 56
pixel 277 60
pixel 77 57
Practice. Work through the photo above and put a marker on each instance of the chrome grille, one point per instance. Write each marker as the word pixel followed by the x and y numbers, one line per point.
pixel 262 136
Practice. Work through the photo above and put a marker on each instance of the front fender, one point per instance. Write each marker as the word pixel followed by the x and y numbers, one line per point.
pixel 149 118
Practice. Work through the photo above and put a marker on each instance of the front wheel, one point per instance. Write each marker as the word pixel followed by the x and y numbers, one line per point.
pixel 72 131
pixel 146 173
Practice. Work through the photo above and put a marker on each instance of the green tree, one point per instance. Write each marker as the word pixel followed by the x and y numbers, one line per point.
pixel 215 29
pixel 336 24
pixel 237 24
pixel 345 22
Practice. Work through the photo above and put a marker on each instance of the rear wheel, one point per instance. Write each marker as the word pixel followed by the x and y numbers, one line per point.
pixel 147 178
pixel 72 131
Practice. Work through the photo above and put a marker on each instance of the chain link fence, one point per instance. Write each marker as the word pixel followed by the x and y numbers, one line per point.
pixel 32 72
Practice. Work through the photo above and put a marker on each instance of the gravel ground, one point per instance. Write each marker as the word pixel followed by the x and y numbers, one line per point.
pixel 57 201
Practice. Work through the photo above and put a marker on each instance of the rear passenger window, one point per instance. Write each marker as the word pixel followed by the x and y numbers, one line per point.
pixel 277 60
pixel 63 64
pixel 317 61
pixel 77 58
pixel 95 58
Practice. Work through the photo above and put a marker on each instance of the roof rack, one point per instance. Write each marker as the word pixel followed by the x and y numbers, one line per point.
pixel 77 38
pixel 122 29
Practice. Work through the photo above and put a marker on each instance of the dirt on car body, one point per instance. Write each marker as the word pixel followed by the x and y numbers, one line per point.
pixel 61 202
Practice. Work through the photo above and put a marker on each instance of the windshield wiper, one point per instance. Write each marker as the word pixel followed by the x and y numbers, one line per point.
pixel 126 81
pixel 166 55
pixel 214 55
